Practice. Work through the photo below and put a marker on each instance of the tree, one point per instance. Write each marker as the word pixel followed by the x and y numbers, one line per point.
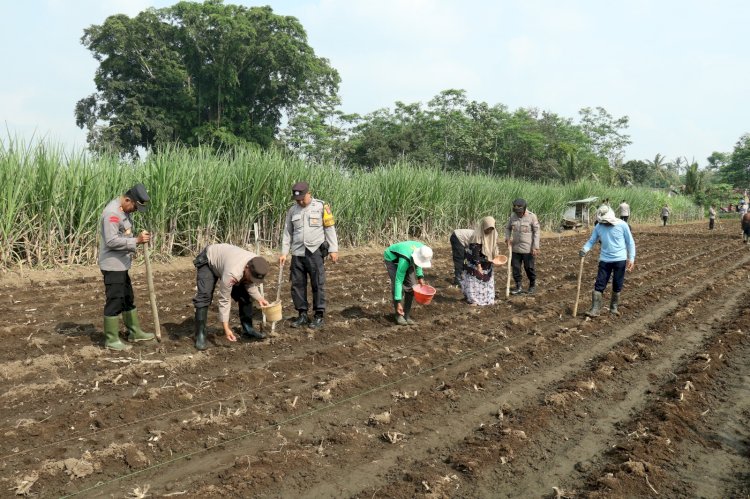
pixel 737 171
pixel 605 132
pixel 199 73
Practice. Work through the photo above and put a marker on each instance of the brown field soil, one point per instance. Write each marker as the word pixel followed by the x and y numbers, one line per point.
pixel 518 399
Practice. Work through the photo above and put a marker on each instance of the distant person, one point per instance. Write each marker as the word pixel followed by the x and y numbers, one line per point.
pixel 116 251
pixel 617 255
pixel 665 212
pixel 478 278
pixel 742 207
pixel 460 240
pixel 309 233
pixel 624 210
pixel 522 236
pixel 711 217
pixel 238 273
pixel 404 262
pixel 745 220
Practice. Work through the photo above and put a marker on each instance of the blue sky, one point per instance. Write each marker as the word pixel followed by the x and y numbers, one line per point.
pixel 679 69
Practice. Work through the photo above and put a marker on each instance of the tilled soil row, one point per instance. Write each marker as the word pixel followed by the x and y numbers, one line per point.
pixel 224 414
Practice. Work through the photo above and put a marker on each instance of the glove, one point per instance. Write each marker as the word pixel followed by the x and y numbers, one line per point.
pixel 581 253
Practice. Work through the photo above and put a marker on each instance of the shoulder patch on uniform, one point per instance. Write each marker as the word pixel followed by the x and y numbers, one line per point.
pixel 114 219
pixel 328 219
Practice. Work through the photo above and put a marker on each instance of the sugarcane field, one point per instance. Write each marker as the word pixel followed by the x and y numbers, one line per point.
pixel 467 402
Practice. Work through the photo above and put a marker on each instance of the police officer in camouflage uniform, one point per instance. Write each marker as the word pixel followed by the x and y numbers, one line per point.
pixel 523 225
pixel 116 250
pixel 310 234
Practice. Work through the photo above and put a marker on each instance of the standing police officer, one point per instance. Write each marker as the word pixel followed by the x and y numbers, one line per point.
pixel 116 250
pixel 524 227
pixel 310 234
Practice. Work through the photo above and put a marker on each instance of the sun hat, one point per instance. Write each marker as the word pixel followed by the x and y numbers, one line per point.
pixel 423 257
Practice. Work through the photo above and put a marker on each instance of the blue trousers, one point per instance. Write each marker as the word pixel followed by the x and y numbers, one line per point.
pixel 607 269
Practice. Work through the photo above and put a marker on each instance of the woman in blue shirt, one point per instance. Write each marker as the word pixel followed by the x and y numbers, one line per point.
pixel 616 256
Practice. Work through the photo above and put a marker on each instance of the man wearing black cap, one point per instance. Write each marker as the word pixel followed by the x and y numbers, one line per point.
pixel 116 250
pixel 238 273
pixel 524 228
pixel 310 234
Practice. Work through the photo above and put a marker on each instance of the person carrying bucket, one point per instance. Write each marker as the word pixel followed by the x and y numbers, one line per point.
pixel 617 255
pixel 238 272
pixel 404 262
pixel 478 278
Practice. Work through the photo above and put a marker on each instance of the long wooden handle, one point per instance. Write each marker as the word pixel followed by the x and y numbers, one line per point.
pixel 578 291
pixel 278 285
pixel 507 282
pixel 152 293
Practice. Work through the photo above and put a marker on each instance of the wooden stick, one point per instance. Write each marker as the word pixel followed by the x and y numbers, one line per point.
pixel 578 291
pixel 152 293
pixel 278 292
pixel 507 282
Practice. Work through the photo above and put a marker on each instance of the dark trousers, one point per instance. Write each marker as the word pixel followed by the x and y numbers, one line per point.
pixel 118 291
pixel 607 269
pixel 410 280
pixel 309 265
pixel 205 284
pixel 459 254
pixel 665 220
pixel 529 264
pixel 711 224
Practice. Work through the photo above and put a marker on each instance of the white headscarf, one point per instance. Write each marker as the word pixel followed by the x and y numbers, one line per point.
pixel 605 215
pixel 488 241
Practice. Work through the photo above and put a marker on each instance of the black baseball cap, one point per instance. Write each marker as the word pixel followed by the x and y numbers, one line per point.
pixel 299 190
pixel 258 269
pixel 138 194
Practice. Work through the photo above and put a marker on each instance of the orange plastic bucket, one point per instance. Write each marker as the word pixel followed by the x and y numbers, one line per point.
pixel 424 293
pixel 500 260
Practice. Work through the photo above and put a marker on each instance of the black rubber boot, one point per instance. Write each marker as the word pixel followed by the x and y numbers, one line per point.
pixel 614 303
pixel 408 302
pixel 201 314
pixel 317 321
pixel 517 290
pixel 246 319
pixel 596 304
pixel 301 321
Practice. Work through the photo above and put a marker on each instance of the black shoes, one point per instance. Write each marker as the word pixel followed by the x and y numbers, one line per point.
pixel 301 321
pixel 317 322
pixel 532 289
pixel 517 290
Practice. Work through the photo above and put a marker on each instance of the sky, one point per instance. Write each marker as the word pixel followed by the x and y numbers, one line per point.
pixel 679 69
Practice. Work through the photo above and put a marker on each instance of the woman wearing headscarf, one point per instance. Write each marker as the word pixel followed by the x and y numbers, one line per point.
pixel 615 257
pixel 477 280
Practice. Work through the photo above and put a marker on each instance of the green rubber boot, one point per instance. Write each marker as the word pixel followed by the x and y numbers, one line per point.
pixel 112 334
pixel 596 304
pixel 408 302
pixel 613 305
pixel 135 333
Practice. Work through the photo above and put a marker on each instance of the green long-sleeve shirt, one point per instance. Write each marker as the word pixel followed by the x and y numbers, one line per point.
pixel 402 253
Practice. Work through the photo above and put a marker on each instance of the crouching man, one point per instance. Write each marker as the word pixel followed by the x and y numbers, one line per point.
pixel 238 273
